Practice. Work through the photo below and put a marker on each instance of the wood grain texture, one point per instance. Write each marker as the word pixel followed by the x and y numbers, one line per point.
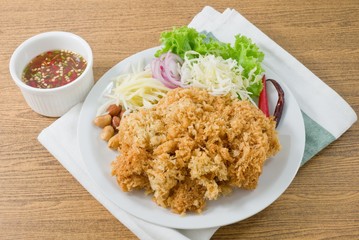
pixel 39 199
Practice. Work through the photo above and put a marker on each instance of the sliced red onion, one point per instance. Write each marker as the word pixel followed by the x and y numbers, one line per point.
pixel 172 68
pixel 166 68
pixel 155 68
pixel 157 72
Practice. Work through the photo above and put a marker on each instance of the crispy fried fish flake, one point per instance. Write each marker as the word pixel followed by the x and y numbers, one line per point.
pixel 192 147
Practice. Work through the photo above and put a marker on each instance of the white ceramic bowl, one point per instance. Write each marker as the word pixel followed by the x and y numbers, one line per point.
pixel 53 102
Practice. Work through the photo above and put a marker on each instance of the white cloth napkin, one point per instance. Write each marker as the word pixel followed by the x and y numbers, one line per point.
pixel 60 138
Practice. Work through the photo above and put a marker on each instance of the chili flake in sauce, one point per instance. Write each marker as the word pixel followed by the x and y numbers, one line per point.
pixel 54 69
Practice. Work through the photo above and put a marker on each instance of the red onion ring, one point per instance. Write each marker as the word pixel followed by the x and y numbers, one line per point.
pixel 171 67
pixel 166 69
pixel 157 73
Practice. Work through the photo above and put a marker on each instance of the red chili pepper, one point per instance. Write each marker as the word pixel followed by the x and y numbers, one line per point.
pixel 263 100
pixel 280 103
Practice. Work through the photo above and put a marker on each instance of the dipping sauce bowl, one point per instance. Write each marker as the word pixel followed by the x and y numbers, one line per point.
pixel 56 101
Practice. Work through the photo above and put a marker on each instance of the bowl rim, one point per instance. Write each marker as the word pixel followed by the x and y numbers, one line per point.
pixel 28 42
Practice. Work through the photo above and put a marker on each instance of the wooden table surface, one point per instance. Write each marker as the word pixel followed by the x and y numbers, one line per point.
pixel 39 199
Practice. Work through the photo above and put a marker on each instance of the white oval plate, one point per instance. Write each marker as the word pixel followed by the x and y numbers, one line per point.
pixel 278 171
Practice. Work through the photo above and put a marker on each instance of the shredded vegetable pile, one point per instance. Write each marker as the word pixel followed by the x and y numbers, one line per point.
pixel 191 59
pixel 135 90
pixel 247 54
pixel 188 58
pixel 215 74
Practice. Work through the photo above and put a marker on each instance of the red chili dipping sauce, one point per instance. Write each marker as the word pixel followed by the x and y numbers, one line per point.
pixel 53 69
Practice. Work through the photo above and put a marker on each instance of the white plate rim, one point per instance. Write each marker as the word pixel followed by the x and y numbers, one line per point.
pixel 159 215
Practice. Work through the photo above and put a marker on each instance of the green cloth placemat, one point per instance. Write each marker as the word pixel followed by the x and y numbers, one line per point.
pixel 316 138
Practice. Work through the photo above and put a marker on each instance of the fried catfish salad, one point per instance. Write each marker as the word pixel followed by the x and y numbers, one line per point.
pixel 192 147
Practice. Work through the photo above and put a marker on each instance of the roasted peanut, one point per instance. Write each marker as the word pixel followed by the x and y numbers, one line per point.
pixel 115 122
pixel 114 110
pixel 103 120
pixel 114 142
pixel 107 133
